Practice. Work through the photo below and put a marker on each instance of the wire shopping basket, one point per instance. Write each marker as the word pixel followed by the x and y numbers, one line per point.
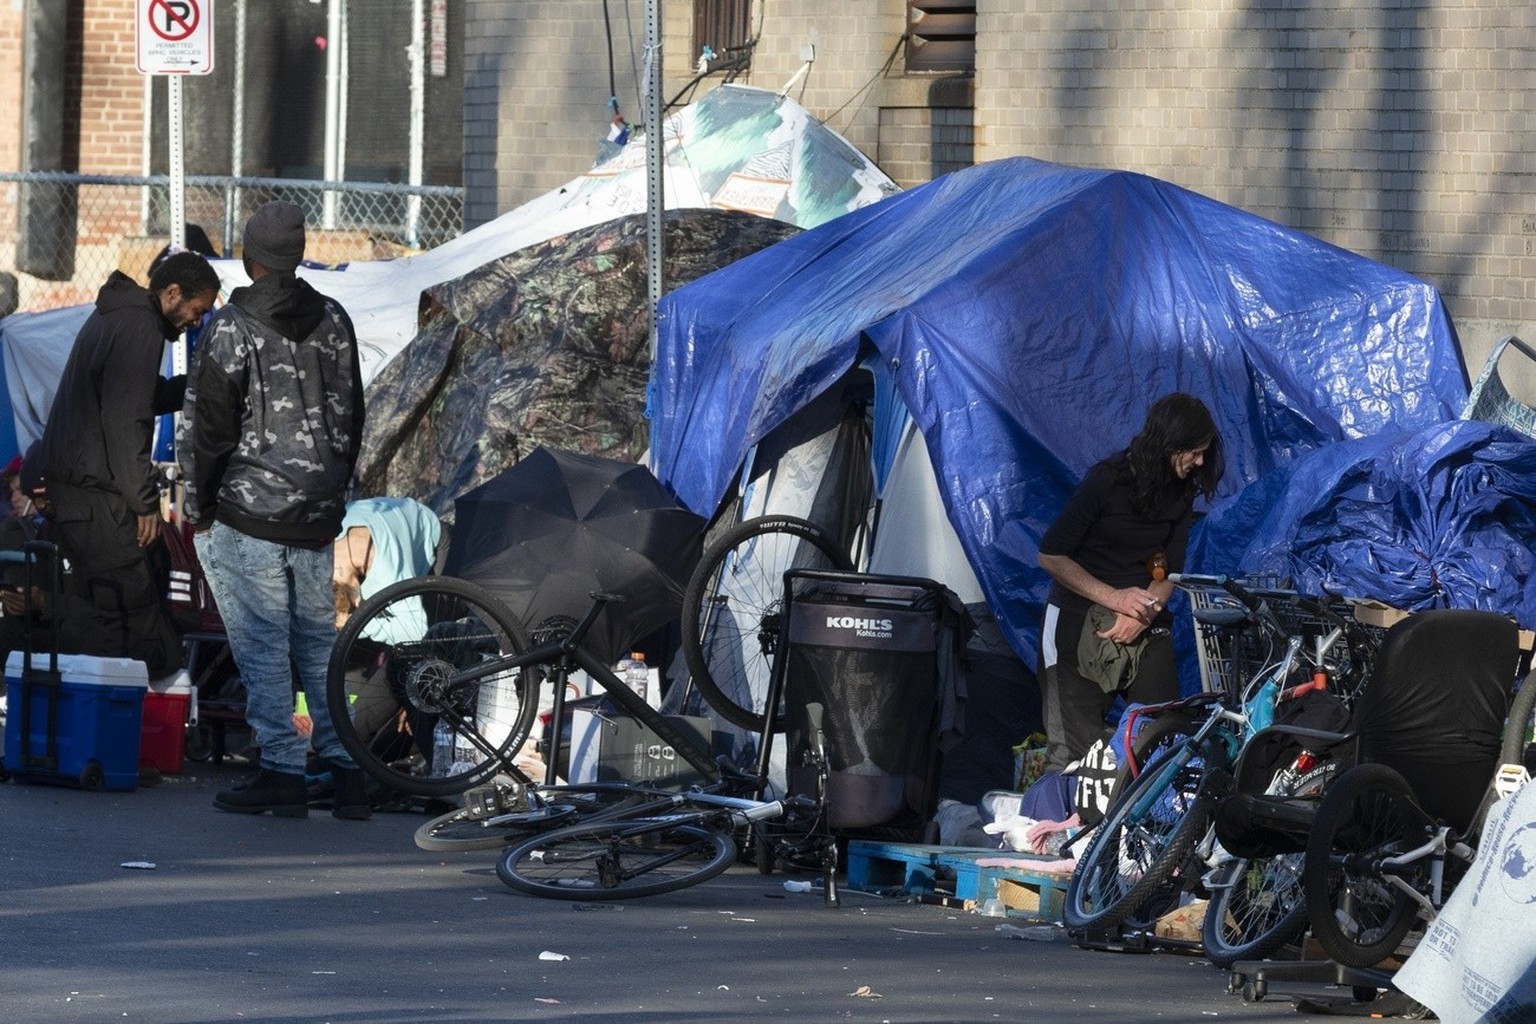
pixel 1233 652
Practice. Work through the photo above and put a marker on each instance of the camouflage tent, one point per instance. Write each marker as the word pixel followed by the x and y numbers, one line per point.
pixel 545 346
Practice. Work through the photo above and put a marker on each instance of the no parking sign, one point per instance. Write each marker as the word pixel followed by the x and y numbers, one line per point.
pixel 175 37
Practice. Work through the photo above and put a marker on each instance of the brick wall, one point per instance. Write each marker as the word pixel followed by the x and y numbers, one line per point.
pixel 103 133
pixel 10 83
pixel 111 126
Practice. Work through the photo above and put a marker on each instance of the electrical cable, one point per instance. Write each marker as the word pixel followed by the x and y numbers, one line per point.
pixel 869 84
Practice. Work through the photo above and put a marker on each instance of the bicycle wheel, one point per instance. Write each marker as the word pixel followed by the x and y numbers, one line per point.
pixel 1144 838
pixel 732 605
pixel 388 686
pixel 470 828
pixel 616 860
pixel 1256 907
pixel 1357 915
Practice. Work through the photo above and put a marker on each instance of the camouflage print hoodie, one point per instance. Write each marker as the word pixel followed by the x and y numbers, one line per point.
pixel 273 415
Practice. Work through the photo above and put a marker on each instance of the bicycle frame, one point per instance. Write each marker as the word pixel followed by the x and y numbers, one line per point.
pixel 677 827
pixel 564 655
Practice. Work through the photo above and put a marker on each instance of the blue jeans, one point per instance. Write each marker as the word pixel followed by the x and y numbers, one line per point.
pixel 279 615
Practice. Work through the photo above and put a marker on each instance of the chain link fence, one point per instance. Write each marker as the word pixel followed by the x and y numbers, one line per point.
pixel 62 234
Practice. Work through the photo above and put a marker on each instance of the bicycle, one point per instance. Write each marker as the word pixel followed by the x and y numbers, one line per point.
pixel 733 606
pixel 433 687
pixel 663 852
pixel 1159 825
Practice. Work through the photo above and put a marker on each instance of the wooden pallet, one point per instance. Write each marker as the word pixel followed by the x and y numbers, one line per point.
pixel 954 872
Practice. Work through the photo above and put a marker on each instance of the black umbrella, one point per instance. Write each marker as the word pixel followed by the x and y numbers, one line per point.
pixel 544 534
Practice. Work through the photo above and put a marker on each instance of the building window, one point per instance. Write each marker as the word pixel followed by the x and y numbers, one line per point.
pixel 725 26
pixel 941 35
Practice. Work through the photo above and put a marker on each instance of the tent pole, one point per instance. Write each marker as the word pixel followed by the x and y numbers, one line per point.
pixel 655 155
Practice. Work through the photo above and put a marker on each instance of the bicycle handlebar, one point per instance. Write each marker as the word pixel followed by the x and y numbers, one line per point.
pixel 1257 606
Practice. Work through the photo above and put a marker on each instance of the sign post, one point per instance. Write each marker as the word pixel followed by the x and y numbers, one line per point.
pixel 175 38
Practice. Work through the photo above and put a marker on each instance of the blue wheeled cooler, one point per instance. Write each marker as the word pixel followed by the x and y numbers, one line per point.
pixel 882 655
pixel 76 721
pixel 72 719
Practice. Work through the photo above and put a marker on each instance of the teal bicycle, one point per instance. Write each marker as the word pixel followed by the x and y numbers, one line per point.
pixel 1156 839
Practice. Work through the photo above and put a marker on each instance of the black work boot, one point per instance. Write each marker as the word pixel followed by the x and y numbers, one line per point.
pixel 278 792
pixel 351 799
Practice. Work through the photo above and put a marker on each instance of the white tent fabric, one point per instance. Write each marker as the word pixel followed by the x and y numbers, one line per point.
pixel 737 148
pixel 914 536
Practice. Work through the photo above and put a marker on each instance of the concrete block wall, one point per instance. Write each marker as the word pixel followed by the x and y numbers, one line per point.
pixel 851 40
pixel 537 85
pixel 1399 130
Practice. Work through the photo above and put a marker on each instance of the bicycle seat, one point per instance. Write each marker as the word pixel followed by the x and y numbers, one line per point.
pixel 1221 615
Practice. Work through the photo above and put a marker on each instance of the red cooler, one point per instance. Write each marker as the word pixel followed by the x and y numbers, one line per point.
pixel 163 737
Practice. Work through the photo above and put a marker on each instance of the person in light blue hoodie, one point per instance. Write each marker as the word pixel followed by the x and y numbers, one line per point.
pixel 383 541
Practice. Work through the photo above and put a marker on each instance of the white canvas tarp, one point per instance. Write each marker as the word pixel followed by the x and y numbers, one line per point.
pixel 738 148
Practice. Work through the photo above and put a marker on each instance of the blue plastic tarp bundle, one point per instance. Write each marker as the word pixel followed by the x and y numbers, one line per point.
pixel 1026 314
pixel 1444 517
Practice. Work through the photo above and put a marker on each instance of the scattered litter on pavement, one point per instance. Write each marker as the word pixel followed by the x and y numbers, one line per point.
pixel 794 886
pixel 1034 932
pixel 722 988
pixel 549 955
pixel 914 931
pixel 140 865
pixel 865 992
pixel 546 999
pixel 322 972
pixel 596 906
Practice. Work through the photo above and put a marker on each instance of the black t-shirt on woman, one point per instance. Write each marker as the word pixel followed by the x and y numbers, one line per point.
pixel 1098 529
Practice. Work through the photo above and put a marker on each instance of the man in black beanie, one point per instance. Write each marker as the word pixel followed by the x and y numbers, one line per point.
pixel 269 436
pixel 95 457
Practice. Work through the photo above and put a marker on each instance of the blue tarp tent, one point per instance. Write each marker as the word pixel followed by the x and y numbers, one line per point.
pixel 1024 315
pixel 1442 517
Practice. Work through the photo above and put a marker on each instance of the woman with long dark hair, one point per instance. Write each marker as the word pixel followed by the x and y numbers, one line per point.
pixel 1108 552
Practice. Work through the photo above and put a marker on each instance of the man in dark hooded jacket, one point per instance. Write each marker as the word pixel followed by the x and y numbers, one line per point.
pixel 95 456
pixel 270 431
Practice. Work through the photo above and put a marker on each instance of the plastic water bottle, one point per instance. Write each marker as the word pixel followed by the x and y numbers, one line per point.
pixel 442 748
pixel 634 672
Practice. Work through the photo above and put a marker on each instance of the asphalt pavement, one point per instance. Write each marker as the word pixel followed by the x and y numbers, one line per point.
pixel 152 906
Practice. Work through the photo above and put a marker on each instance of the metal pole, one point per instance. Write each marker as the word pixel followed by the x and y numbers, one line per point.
pixel 418 58
pixel 178 192
pixel 236 132
pixel 146 153
pixel 344 80
pixel 655 157
pixel 178 215
pixel 332 107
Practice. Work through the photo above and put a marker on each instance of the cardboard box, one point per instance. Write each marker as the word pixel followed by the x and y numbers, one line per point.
pixel 1374 613
pixel 79 726
pixel 608 748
